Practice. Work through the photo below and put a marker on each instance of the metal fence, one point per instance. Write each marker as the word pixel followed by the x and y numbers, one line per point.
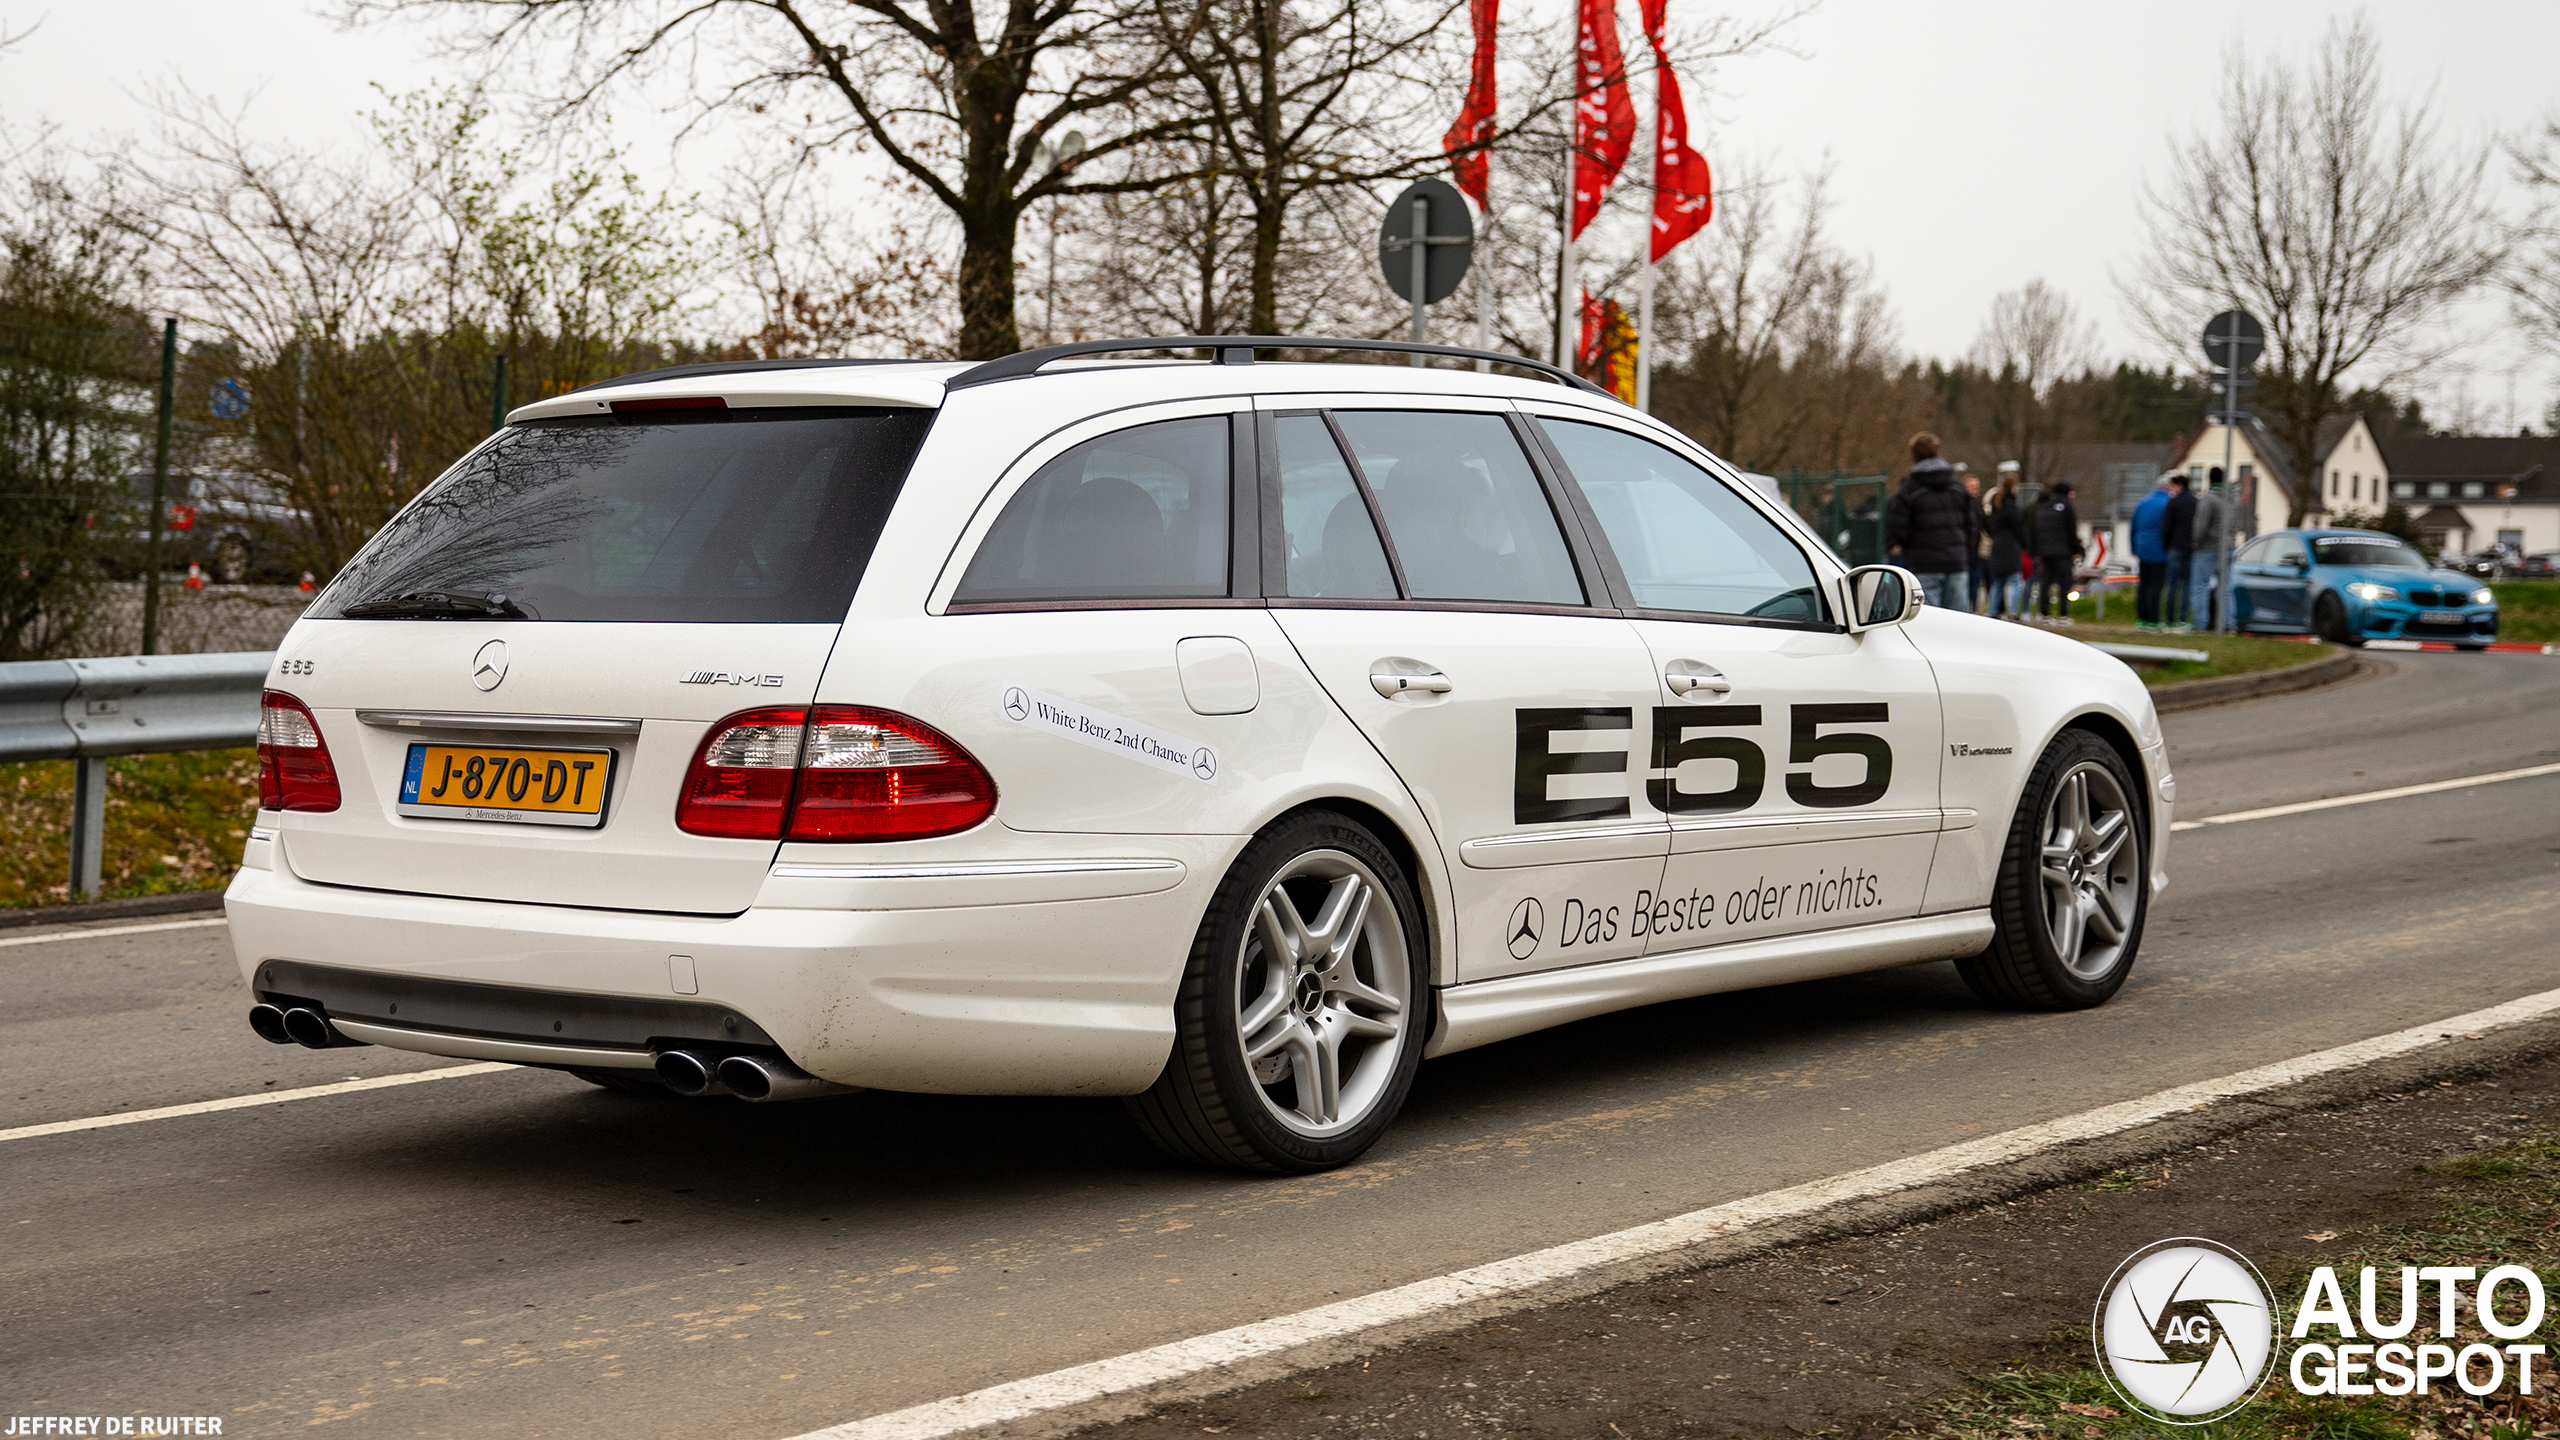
pixel 1846 510
pixel 88 711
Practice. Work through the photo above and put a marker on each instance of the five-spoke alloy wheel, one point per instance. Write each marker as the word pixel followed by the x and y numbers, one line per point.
pixel 2073 885
pixel 1303 1009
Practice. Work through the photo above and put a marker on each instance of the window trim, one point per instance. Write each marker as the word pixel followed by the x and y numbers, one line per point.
pixel 1237 410
pixel 1814 562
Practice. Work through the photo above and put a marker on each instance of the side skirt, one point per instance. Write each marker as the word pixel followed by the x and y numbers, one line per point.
pixel 1490 1010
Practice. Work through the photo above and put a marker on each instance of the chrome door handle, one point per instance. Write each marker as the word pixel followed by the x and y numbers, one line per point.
pixel 1392 686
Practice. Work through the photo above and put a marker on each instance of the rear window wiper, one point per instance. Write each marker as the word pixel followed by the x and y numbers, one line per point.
pixel 438 605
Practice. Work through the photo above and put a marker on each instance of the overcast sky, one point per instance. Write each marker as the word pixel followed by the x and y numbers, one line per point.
pixel 1975 145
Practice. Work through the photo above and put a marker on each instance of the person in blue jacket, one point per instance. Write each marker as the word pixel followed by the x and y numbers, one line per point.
pixel 2151 550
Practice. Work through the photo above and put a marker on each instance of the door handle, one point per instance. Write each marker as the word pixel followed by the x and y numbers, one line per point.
pixel 1686 677
pixel 1392 686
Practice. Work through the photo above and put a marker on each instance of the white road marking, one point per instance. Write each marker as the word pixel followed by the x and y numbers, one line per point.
pixel 2367 798
pixel 1486 1288
pixel 110 930
pixel 243 1102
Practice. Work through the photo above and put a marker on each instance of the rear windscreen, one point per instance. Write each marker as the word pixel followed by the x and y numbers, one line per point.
pixel 704 516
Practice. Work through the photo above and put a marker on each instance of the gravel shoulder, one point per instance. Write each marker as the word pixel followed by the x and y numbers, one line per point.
pixel 1973 1321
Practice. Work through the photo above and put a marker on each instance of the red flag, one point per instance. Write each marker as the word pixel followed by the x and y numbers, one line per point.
pixel 1474 125
pixel 1604 119
pixel 1683 192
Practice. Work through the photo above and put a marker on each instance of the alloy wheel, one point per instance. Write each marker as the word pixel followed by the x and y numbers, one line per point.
pixel 2091 876
pixel 1322 993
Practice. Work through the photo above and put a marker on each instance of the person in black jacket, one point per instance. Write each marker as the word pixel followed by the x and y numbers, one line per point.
pixel 2178 535
pixel 1930 526
pixel 2005 519
pixel 2056 532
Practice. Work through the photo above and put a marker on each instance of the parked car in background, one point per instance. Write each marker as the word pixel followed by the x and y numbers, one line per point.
pixel 2350 586
pixel 2542 565
pixel 240 527
pixel 2493 563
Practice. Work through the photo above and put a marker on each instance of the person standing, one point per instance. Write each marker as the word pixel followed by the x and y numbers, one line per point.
pixel 1930 526
pixel 2151 554
pixel 2005 524
pixel 2056 532
pixel 1978 574
pixel 2178 537
pixel 2211 533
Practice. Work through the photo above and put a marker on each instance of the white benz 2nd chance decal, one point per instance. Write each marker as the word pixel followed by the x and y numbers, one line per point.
pixel 1105 731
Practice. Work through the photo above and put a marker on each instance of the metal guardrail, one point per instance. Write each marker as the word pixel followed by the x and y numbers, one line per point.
pixel 88 711
pixel 2155 654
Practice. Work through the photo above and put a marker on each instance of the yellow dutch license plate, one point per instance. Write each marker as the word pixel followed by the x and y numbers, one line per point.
pixel 506 784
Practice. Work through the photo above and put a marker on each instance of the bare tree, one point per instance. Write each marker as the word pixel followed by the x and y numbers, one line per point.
pixel 956 94
pixel 2033 340
pixel 2333 214
pixel 1741 301
pixel 2533 274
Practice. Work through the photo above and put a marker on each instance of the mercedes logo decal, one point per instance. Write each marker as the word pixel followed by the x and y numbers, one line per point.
pixel 489 667
pixel 1528 921
pixel 1205 764
pixel 1017 706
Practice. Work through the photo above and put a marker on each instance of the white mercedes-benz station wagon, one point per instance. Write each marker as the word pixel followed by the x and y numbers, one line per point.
pixel 1224 734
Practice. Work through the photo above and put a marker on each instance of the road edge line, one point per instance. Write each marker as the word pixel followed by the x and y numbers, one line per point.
pixel 2364 797
pixel 1127 1377
pixel 245 1102
pixel 104 931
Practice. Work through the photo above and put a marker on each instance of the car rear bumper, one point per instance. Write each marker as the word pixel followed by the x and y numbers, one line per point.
pixel 1050 994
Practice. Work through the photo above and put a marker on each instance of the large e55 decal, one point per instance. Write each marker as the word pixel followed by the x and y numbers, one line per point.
pixel 1682 734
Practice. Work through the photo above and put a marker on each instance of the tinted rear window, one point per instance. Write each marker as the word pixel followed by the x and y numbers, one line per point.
pixel 741 516
pixel 2380 554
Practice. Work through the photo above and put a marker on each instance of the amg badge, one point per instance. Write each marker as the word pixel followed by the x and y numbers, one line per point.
pixel 730 677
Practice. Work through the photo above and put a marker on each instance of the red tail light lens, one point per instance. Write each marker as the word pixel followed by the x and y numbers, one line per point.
pixel 877 775
pixel 294 770
pixel 842 772
pixel 740 783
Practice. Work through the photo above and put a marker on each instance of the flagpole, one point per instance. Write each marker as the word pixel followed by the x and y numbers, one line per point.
pixel 1567 313
pixel 1644 331
pixel 1484 281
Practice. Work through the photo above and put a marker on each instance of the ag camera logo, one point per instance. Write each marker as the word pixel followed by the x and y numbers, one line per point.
pixel 2185 1331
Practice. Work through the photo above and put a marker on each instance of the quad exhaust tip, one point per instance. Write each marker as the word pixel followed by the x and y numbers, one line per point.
pixel 687 1073
pixel 268 1021
pixel 770 1077
pixel 301 1025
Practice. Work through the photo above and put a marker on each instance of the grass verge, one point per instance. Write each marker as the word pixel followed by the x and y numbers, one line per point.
pixel 2495 1206
pixel 2528 610
pixel 2232 654
pixel 174 822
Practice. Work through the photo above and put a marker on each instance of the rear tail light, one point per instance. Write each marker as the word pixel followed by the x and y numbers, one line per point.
pixel 294 770
pixel 840 772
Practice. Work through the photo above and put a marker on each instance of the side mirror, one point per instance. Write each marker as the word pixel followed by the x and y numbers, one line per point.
pixel 1877 595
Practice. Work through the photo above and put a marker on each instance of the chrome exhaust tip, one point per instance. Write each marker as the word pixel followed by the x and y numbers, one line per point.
pixel 268 1021
pixel 688 1074
pixel 770 1077
pixel 310 1028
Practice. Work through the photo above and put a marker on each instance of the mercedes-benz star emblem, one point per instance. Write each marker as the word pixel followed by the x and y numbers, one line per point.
pixel 1017 706
pixel 489 667
pixel 1528 921
pixel 1205 764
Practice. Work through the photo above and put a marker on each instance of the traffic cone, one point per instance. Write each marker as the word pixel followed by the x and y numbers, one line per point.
pixel 195 576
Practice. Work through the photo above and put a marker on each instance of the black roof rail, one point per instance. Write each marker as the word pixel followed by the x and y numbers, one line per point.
pixel 724 367
pixel 1238 350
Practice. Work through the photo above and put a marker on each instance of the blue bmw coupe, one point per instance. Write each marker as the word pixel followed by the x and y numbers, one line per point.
pixel 2350 586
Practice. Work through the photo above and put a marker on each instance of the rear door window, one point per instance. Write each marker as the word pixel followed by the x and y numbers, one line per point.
pixel 1466 516
pixel 739 516
pixel 1686 541
pixel 1139 514
pixel 1333 547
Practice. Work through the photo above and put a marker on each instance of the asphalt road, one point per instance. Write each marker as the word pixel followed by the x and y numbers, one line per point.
pixel 518 1254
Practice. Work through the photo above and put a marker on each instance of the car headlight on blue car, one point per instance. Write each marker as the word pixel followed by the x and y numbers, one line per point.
pixel 2484 597
pixel 2367 590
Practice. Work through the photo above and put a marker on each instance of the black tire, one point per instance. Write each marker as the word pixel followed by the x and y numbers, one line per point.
pixel 2025 967
pixel 2329 622
pixel 1210 1105
pixel 626 1082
